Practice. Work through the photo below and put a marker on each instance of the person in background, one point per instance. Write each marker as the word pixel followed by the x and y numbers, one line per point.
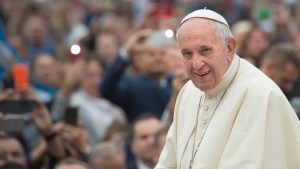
pixel 151 89
pixel 230 114
pixel 70 163
pixel 36 37
pixel 106 46
pixel 12 150
pixel 180 77
pixel 95 112
pixel 144 129
pixel 254 44
pixel 159 143
pixel 46 76
pixel 281 63
pixel 108 155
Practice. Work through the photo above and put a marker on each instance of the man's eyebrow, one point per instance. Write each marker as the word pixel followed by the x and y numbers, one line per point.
pixel 204 46
pixel 184 50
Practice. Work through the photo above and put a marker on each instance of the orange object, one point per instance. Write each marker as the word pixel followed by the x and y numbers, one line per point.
pixel 20 76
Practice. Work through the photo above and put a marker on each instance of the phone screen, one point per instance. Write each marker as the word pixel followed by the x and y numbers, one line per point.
pixel 71 115
pixel 16 106
pixel 8 82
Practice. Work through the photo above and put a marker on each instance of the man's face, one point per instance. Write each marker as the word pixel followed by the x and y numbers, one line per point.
pixel 13 151
pixel 107 46
pixel 36 31
pixel 205 57
pixel 154 60
pixel 143 139
pixel 174 60
pixel 286 77
pixel 92 78
pixel 46 70
pixel 257 43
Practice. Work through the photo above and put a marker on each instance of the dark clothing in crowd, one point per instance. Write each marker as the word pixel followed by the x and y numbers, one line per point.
pixel 135 94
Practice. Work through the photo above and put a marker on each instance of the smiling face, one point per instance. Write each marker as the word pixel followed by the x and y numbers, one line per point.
pixel 206 56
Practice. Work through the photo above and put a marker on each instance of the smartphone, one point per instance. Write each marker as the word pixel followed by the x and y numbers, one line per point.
pixel 8 82
pixel 71 115
pixel 12 123
pixel 16 106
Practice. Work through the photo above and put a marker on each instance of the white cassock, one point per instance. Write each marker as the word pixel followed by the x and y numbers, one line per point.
pixel 245 122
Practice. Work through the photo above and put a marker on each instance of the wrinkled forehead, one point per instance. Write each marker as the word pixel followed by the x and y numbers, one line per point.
pixel 195 25
pixel 205 13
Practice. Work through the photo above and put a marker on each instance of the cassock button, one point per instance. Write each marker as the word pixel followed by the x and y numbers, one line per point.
pixel 206 108
pixel 204 122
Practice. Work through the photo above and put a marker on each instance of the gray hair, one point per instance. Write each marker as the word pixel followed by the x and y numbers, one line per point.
pixel 222 31
pixel 107 150
pixel 70 161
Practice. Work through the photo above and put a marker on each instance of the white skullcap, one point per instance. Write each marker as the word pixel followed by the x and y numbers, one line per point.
pixel 205 13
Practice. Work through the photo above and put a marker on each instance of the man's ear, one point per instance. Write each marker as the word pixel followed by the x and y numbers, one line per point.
pixel 231 45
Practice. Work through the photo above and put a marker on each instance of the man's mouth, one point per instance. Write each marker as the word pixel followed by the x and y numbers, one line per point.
pixel 202 74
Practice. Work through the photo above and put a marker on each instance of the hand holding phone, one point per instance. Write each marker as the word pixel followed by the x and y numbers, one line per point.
pixel 71 115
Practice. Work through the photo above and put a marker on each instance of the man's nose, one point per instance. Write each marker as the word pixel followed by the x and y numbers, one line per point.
pixel 150 140
pixel 197 63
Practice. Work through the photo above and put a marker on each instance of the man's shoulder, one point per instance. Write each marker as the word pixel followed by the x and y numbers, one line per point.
pixel 252 79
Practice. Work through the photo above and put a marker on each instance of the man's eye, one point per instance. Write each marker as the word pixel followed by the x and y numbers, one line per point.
pixel 186 54
pixel 205 51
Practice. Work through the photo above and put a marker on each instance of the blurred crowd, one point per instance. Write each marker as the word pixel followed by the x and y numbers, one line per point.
pixel 103 75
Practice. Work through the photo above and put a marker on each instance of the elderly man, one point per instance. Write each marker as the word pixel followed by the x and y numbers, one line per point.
pixel 230 115
pixel 108 155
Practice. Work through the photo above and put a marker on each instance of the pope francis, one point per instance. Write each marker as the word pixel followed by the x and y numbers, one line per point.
pixel 229 115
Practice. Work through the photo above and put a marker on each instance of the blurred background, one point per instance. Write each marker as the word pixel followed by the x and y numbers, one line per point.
pixel 93 83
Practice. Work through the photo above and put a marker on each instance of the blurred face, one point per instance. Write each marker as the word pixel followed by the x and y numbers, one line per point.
pixel 107 46
pixel 117 162
pixel 257 43
pixel 144 137
pixel 47 70
pixel 154 60
pixel 285 78
pixel 92 78
pixel 206 59
pixel 174 60
pixel 35 31
pixel 71 166
pixel 13 151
